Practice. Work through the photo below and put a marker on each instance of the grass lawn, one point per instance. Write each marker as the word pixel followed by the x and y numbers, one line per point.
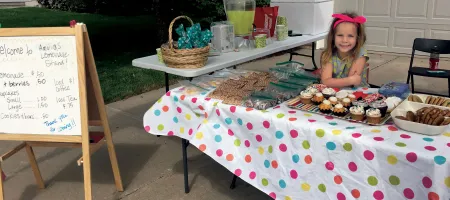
pixel 116 41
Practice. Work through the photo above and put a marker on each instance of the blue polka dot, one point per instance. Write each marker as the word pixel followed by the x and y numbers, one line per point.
pixel 282 184
pixel 331 146
pixel 218 138
pixel 295 158
pixel 175 98
pixel 351 127
pixel 239 120
pixel 157 112
pixel 228 121
pixel 428 139
pixel 279 134
pixel 175 119
pixel 440 160
pixel 216 126
pixel 266 164
pixel 203 93
pixel 333 123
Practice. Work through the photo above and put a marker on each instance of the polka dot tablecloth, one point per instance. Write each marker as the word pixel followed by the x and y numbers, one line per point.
pixel 290 154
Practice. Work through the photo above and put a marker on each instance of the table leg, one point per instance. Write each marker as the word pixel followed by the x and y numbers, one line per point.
pixel 292 53
pixel 166 77
pixel 312 55
pixel 233 182
pixel 185 144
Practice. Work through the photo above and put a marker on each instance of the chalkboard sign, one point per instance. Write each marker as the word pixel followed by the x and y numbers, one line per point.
pixel 39 88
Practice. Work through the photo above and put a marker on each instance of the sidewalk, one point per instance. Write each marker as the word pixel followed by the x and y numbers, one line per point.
pixel 151 167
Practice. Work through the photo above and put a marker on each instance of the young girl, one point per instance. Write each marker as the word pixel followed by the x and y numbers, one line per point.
pixel 344 59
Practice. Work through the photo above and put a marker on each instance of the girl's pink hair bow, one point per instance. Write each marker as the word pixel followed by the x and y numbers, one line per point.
pixel 345 18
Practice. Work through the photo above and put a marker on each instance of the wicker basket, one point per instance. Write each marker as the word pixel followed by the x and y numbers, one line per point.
pixel 183 58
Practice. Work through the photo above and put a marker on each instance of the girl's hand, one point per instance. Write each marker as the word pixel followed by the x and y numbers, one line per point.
pixel 355 79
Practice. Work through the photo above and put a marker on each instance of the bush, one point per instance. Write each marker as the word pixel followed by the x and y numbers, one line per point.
pixel 108 7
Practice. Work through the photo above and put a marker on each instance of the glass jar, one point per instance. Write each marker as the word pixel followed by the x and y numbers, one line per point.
pixel 241 13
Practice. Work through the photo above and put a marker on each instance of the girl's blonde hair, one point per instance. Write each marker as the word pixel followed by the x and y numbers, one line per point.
pixel 331 47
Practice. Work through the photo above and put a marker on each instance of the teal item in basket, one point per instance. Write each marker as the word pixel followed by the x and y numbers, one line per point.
pixel 193 37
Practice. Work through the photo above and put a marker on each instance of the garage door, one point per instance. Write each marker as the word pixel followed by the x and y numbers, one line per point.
pixel 392 25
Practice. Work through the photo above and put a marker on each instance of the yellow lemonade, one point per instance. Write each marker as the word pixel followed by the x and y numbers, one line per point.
pixel 242 21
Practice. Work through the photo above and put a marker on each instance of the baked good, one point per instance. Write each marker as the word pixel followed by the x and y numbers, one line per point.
pixel 306 96
pixel 428 115
pixel 352 97
pixel 346 102
pixel 312 90
pixel 357 113
pixel 341 94
pixel 361 103
pixel 373 97
pixel 380 105
pixel 392 103
pixel 333 100
pixel 373 116
pixel 325 106
pixel 410 116
pixel 317 98
pixel 339 110
pixel 328 92
pixel 318 87
pixel 415 98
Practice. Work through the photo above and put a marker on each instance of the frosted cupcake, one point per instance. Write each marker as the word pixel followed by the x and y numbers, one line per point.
pixel 346 102
pixel 328 92
pixel 352 97
pixel 333 100
pixel 339 110
pixel 357 113
pixel 305 97
pixel 318 98
pixel 325 106
pixel 373 115
pixel 380 105
pixel 341 95
pixel 392 102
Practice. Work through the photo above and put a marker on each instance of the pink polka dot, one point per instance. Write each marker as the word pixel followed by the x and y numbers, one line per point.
pixel 219 152
pixel 329 165
pixel 378 195
pixel 258 138
pixel 179 110
pixel 311 120
pixel 190 131
pixel 329 117
pixel 266 124
pixel 340 196
pixel 201 107
pixel 233 109
pixel 448 144
pixel 273 195
pixel 276 107
pixel 405 136
pixel 378 139
pixel 207 99
pixel 168 94
pixel 247 143
pixel 292 112
pixel 393 128
pixel 194 100
pixel 147 128
pixel 252 175
pixel 238 172
pixel 170 133
pixel 283 147
pixel 294 174
pixel 217 112
pixel 427 182
pixel 294 133
pixel 249 126
pixel 230 132
pixel 356 135
pixel 409 194
pixel 368 155
pixel 352 166
pixel 430 148
pixel 411 157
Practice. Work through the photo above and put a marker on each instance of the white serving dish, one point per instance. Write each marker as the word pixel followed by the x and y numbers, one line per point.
pixel 423 97
pixel 425 129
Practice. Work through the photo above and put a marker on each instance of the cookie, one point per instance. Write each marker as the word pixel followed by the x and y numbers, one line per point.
pixel 445 103
pixel 417 99
pixel 410 116
pixel 433 100
pixel 441 101
pixel 438 121
pixel 427 101
pixel 402 118
pixel 445 122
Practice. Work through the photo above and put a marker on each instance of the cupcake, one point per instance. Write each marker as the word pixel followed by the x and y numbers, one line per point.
pixel 328 92
pixel 346 102
pixel 380 105
pixel 325 106
pixel 317 99
pixel 333 100
pixel 339 110
pixel 373 116
pixel 312 90
pixel 357 113
pixel 392 102
pixel 352 97
pixel 305 97
pixel 341 94
pixel 361 103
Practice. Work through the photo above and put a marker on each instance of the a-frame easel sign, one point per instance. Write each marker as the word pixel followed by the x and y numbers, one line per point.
pixel 50 95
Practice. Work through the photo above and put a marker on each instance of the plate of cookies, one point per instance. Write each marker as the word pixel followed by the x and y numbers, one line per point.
pixel 423 118
pixel 429 99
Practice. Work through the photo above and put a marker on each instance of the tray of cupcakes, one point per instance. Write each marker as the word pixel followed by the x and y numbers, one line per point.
pixel 372 109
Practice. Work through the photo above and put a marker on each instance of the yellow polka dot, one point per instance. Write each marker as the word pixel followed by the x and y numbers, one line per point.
pixel 447 182
pixel 199 135
pixel 205 121
pixel 287 198
pixel 215 103
pixel 307 115
pixel 188 116
pixel 181 130
pixel 336 132
pixel 159 100
pixel 376 131
pixel 261 150
pixel 392 159
pixel 447 134
pixel 306 187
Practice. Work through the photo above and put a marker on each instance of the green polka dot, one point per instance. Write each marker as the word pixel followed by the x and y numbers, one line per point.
pixel 348 147
pixel 372 180
pixel 306 144
pixel 320 133
pixel 159 100
pixel 322 188
pixel 392 159
pixel 237 142
pixel 270 149
pixel 265 182
pixel 215 103
pixel 264 111
pixel 394 180
pixel 160 127
pixel 281 115
pixel 196 114
pixel 400 144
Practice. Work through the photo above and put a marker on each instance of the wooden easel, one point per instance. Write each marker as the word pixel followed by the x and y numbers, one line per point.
pixel 93 112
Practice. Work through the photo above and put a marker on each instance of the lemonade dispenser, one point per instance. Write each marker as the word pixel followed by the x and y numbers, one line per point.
pixel 241 13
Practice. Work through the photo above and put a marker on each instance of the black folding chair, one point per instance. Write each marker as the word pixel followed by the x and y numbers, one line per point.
pixel 428 46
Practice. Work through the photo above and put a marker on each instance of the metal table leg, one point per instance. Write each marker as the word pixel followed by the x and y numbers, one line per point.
pixel 233 182
pixel 311 56
pixel 185 144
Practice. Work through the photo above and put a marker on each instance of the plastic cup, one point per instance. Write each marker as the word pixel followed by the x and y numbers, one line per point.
pixel 160 58
pixel 260 40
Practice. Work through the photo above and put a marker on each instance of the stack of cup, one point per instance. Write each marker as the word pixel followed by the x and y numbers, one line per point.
pixel 260 40
pixel 160 58
pixel 283 33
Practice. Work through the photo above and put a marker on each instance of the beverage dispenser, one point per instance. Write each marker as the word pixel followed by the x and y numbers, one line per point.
pixel 241 13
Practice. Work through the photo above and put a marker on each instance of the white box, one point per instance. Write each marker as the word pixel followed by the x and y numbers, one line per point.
pixel 309 17
pixel 223 39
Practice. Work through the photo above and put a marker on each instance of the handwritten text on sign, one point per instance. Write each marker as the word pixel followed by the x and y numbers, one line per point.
pixel 39 85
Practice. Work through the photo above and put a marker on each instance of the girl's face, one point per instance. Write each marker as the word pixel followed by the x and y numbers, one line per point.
pixel 345 37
